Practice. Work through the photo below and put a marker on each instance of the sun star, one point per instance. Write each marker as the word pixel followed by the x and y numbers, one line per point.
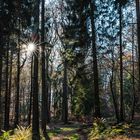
pixel 30 47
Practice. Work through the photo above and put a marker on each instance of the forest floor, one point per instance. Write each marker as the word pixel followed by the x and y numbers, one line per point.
pixel 80 131
pixel 72 131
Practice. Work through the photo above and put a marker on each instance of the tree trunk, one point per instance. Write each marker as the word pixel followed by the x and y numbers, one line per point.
pixel 133 73
pixel 95 64
pixel 6 118
pixel 10 79
pixel 35 120
pixel 17 89
pixel 65 96
pixel 44 111
pixel 1 66
pixel 138 39
pixel 47 87
pixel 121 67
pixel 114 97
pixel 31 94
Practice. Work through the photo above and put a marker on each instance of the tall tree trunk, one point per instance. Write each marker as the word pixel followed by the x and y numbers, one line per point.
pixel 112 87
pixel 10 79
pixel 35 120
pixel 31 94
pixel 6 118
pixel 114 100
pixel 1 66
pixel 44 111
pixel 95 64
pixel 65 96
pixel 133 73
pixel 121 67
pixel 47 86
pixel 17 89
pixel 138 35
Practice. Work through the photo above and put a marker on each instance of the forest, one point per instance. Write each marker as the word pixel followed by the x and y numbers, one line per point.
pixel 69 69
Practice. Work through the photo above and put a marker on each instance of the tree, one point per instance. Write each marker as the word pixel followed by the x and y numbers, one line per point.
pixel 44 111
pixel 138 33
pixel 7 96
pixel 18 85
pixel 121 3
pixel 95 63
pixel 1 66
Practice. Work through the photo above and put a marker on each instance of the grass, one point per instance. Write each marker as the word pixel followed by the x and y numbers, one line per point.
pixel 66 132
pixel 73 137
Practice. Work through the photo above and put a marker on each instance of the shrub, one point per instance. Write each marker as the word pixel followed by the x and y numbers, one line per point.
pixel 21 133
pixel 5 135
pixel 102 130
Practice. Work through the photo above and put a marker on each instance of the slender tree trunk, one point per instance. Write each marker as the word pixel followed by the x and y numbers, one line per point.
pixel 10 80
pixel 138 36
pixel 6 118
pixel 121 67
pixel 95 64
pixel 65 96
pixel 1 66
pixel 17 89
pixel 114 97
pixel 47 87
pixel 133 73
pixel 31 94
pixel 49 100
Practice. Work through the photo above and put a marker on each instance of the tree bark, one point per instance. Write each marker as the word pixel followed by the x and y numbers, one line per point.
pixel 138 39
pixel 133 79
pixel 95 64
pixel 44 111
pixel 121 67
pixel 1 66
pixel 65 96
pixel 31 94
pixel 17 89
pixel 35 119
pixel 6 118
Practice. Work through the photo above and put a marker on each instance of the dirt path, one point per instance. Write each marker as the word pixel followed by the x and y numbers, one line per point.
pixel 68 132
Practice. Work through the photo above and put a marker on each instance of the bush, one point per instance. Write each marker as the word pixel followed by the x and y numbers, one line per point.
pixel 5 135
pixel 21 133
pixel 102 130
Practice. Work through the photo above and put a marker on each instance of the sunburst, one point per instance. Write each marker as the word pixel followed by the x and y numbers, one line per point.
pixel 30 47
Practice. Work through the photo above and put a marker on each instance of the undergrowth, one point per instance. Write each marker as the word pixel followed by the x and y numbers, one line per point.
pixel 101 130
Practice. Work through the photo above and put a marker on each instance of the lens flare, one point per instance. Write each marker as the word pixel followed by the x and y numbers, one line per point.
pixel 30 47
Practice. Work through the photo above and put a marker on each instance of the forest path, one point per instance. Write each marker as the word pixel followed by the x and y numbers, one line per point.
pixel 73 131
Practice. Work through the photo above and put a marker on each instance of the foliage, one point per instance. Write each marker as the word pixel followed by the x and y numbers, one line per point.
pixel 83 100
pixel 24 133
pixel 21 133
pixel 101 129
pixel 73 137
pixel 5 135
